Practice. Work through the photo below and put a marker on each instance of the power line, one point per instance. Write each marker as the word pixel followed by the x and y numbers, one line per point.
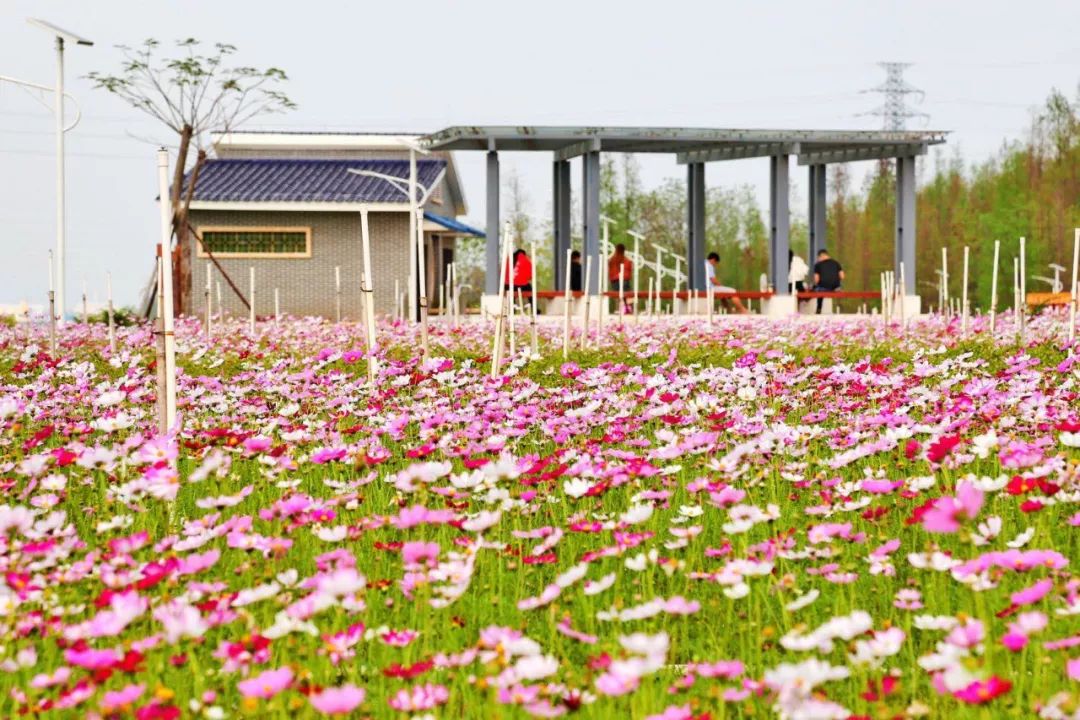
pixel 895 112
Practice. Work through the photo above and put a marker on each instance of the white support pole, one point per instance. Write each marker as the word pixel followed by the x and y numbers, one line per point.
pixel 675 294
pixel 397 298
pixel 167 288
pixel 709 294
pixel 413 289
pixel 209 289
pixel 649 299
pixel 220 307
pixel 277 306
pixel 367 289
pixel 566 307
pixel 994 288
pixel 964 307
pixel 585 321
pixel 532 300
pixel 622 295
pixel 1023 288
pixel 900 293
pixel 61 220
pixel 945 277
pixel 513 334
pixel 500 316
pixel 635 287
pixel 421 271
pixel 109 309
pixel 159 355
pixel 1072 285
pixel 1016 296
pixel 251 299
pixel 337 292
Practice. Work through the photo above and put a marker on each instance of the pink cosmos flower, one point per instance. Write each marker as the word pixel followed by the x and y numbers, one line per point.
pixel 983 691
pixel 415 553
pixel 421 697
pixel 614 685
pixel 947 512
pixel 338 701
pixel 92 659
pixel 115 699
pixel 1032 594
pixel 1073 668
pixel 266 684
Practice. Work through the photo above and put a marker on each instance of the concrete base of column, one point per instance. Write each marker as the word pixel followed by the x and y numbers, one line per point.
pixel 809 307
pixel 779 306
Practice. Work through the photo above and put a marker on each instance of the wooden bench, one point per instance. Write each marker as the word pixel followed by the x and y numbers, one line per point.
pixel 1044 299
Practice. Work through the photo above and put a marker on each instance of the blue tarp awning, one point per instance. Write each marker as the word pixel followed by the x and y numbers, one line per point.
pixel 451 224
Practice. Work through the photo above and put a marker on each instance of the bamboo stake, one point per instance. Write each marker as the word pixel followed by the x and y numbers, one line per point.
pixel 277 306
pixel 1023 288
pixel 500 317
pixel 513 334
pixel 532 300
pixel 209 287
pixel 397 299
pixel 994 289
pixel 964 308
pixel 649 300
pixel 109 309
pixel 1072 287
pixel 901 295
pixel 159 355
pixel 944 277
pixel 367 291
pixel 622 296
pixel 251 307
pixel 586 320
pixel 421 271
pixel 1016 297
pixel 220 307
pixel 566 308
pixel 52 309
pixel 167 291
pixel 337 292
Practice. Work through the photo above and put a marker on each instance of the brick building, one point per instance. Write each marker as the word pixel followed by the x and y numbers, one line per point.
pixel 287 205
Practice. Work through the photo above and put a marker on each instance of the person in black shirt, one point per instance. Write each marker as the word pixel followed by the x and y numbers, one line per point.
pixel 827 275
pixel 575 271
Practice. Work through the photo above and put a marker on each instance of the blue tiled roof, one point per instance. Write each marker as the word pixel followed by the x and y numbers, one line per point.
pixel 452 224
pixel 307 180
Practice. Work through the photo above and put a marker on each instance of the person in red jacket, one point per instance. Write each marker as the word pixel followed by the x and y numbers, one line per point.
pixel 620 271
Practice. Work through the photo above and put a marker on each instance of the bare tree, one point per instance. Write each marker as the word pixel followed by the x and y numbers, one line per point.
pixel 192 94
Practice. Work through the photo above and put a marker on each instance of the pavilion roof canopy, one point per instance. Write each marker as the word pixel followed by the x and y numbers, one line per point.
pixel 690 145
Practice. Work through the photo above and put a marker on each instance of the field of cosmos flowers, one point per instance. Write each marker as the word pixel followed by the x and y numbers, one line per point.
pixel 754 518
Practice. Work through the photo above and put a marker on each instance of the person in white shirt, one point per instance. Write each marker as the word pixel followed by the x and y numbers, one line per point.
pixel 710 278
pixel 797 271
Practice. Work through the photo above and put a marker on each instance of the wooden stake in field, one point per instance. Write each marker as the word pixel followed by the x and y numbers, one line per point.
pixel 220 307
pixel 500 316
pixel 532 299
pixel 421 271
pixel 367 290
pixel 709 297
pixel 1072 287
pixel 586 320
pixel 622 296
pixel 167 289
pixel 944 277
pixel 994 289
pixel 1023 288
pixel 251 307
pixel 159 354
pixel 901 296
pixel 964 308
pixel 277 306
pixel 52 309
pixel 209 288
pixel 109 310
pixel 650 306
pixel 397 299
pixel 1016 297
pixel 337 292
pixel 566 308
pixel 675 310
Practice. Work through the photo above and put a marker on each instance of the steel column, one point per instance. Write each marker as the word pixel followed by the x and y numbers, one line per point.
pixel 561 220
pixel 817 212
pixel 590 176
pixel 779 223
pixel 905 221
pixel 491 254
pixel 695 224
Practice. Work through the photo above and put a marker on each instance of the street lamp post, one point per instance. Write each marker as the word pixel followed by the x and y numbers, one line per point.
pixel 61 35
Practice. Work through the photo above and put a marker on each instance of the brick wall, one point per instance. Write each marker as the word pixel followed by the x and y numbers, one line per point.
pixel 306 285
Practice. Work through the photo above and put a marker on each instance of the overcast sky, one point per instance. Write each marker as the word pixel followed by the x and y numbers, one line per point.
pixel 358 66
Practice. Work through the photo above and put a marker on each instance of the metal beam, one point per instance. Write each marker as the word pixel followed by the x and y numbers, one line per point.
pixel 695 225
pixel 737 152
pixel 560 220
pixel 872 152
pixel 590 189
pixel 491 246
pixel 578 148
pixel 779 223
pixel 905 221
pixel 817 218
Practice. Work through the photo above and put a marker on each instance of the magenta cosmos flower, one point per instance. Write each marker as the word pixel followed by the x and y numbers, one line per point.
pixel 947 512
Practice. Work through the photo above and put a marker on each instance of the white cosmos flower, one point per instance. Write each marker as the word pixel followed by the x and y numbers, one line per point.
pixel 576 487
pixel 803 600
pixel 637 514
pixel 643 644
pixel 535 667
pixel 595 587
pixel 1022 539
